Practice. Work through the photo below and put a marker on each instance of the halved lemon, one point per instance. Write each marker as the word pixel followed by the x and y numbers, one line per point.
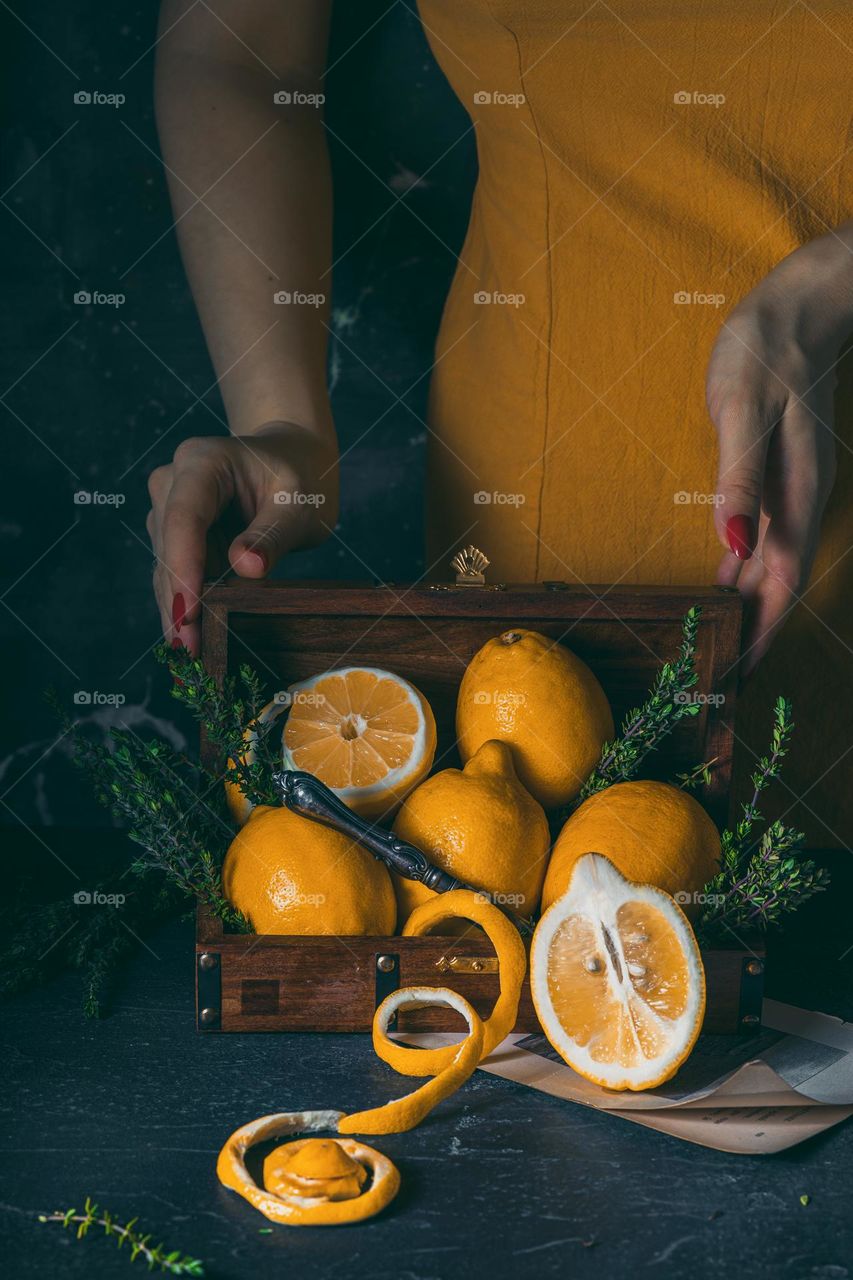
pixel 367 733
pixel 617 979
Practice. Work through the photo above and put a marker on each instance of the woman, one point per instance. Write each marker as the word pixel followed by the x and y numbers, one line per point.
pixel 661 222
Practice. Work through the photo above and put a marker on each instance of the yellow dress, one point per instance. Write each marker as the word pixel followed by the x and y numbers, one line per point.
pixel 642 166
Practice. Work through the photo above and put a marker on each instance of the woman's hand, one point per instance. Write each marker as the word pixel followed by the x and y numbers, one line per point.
pixel 238 501
pixel 770 388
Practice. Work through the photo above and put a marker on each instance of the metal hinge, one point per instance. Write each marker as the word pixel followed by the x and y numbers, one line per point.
pixel 467 964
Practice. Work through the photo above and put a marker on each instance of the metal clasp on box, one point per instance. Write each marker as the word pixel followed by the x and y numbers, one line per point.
pixel 467 964
pixel 470 566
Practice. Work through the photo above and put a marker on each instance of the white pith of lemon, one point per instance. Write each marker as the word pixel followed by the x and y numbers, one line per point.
pixel 617 979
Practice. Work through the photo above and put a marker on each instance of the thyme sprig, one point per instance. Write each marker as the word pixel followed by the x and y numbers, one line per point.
pixel 646 726
pixel 170 806
pixel 763 876
pixel 43 938
pixel 224 712
pixel 176 1263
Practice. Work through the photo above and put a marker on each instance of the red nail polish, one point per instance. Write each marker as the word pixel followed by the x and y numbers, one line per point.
pixel 179 610
pixel 177 644
pixel 740 532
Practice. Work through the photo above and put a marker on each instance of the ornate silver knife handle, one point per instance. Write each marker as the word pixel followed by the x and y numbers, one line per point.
pixel 309 797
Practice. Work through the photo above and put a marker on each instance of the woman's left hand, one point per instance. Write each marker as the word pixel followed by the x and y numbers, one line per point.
pixel 770 388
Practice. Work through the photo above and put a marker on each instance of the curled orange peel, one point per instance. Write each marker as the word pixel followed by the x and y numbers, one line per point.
pixel 330 1181
pixel 313 1182
pixel 405 1113
pixel 512 963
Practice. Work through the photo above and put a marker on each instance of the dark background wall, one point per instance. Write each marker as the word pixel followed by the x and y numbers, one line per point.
pixel 94 397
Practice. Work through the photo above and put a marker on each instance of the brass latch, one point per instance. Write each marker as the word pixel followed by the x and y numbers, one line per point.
pixel 470 567
pixel 467 964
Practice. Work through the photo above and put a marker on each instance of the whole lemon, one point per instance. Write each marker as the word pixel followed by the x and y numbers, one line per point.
pixel 652 832
pixel 288 874
pixel 481 825
pixel 536 695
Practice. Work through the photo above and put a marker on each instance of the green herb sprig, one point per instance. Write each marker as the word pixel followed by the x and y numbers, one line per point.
pixel 224 712
pixel 646 726
pixel 171 806
pixel 763 877
pixel 155 1255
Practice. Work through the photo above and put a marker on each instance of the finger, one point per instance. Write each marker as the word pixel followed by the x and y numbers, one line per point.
pixel 799 481
pixel 159 485
pixel 729 570
pixel 196 499
pixel 744 425
pixel 275 530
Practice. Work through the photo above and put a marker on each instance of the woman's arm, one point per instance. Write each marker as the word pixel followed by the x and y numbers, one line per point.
pixel 239 85
pixel 770 390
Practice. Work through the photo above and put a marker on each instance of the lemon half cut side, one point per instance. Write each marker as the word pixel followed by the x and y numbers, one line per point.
pixel 617 979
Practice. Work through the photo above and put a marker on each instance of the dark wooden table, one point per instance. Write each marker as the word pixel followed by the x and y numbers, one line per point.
pixel 498 1181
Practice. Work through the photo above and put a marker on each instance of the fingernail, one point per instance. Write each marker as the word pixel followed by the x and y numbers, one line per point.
pixel 177 644
pixel 740 532
pixel 179 610
pixel 260 556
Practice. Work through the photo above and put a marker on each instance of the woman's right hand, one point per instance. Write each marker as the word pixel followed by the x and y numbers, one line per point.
pixel 238 501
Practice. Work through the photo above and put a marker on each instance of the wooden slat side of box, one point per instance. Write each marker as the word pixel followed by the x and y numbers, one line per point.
pixel 334 984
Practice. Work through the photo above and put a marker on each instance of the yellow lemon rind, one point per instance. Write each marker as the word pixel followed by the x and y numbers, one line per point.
pixel 298 1211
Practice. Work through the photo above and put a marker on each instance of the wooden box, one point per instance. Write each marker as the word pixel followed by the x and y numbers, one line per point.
pixel 290 631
